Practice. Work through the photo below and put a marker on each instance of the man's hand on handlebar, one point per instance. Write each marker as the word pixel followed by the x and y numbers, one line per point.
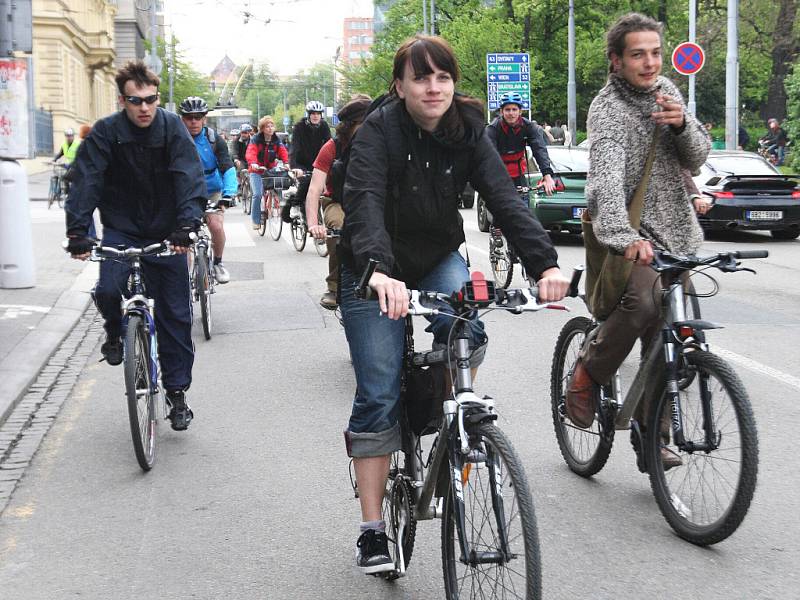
pixel 552 285
pixel 640 252
pixel 298 173
pixel 79 247
pixel 181 239
pixel 320 232
pixel 392 295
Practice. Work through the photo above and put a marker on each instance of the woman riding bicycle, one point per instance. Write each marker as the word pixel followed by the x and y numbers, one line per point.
pixel 265 150
pixel 408 161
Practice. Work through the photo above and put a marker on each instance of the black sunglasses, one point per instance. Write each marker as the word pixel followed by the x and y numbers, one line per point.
pixel 194 117
pixel 137 100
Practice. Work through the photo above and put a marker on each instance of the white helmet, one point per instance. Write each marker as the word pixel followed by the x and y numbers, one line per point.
pixel 69 132
pixel 315 106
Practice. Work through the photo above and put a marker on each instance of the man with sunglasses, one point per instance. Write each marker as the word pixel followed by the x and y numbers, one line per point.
pixel 220 174
pixel 139 168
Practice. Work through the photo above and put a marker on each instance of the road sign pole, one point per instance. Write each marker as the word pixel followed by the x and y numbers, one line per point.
pixel 732 77
pixel 572 117
pixel 692 35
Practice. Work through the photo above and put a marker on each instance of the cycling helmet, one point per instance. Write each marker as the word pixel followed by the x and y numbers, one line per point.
pixel 315 106
pixel 246 127
pixel 234 132
pixel 69 132
pixel 512 98
pixel 193 105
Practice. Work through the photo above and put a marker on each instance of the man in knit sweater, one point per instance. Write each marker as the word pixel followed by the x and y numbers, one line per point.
pixel 622 120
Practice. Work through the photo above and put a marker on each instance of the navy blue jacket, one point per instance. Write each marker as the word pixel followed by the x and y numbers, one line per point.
pixel 146 182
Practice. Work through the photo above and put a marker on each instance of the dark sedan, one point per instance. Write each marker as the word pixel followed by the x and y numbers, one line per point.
pixel 749 193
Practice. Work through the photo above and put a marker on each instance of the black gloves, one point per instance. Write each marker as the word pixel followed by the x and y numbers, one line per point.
pixel 182 237
pixel 224 202
pixel 77 245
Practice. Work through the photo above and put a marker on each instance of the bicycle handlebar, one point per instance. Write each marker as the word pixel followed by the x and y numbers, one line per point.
pixel 101 253
pixel 724 261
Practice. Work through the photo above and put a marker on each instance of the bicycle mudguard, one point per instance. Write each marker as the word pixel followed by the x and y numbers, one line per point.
pixel 698 324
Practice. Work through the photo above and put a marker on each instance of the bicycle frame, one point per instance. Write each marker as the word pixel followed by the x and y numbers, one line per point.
pixel 137 302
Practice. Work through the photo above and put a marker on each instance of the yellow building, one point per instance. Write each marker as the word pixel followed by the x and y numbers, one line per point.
pixel 73 56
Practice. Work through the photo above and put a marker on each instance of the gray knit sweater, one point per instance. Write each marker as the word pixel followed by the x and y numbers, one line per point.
pixel 620 130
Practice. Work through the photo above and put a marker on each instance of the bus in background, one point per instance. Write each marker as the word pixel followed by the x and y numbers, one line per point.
pixel 225 118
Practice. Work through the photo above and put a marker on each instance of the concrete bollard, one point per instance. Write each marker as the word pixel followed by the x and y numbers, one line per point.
pixel 17 268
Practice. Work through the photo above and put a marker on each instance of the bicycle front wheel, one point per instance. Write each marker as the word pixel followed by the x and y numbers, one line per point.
pixel 54 191
pixel 502 267
pixel 275 220
pixel 299 234
pixel 321 245
pixel 247 196
pixel 500 525
pixel 140 392
pixel 706 498
pixel 584 450
pixel 203 289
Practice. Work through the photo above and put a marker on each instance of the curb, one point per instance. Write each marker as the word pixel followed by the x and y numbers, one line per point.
pixel 22 366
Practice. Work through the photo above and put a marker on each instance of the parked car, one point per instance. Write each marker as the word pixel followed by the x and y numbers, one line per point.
pixel 562 211
pixel 749 193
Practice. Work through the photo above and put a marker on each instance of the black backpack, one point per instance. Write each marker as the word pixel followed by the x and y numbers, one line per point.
pixel 342 157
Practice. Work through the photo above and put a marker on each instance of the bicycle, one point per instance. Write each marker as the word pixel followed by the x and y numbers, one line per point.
pixel 245 192
pixel 699 410
pixel 202 278
pixel 502 256
pixel 472 477
pixel 59 188
pixel 140 350
pixel 274 181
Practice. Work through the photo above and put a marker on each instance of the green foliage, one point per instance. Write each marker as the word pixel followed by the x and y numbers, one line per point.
pixel 540 27
pixel 792 124
pixel 186 80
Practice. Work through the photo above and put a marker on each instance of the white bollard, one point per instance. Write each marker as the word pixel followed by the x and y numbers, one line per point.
pixel 17 268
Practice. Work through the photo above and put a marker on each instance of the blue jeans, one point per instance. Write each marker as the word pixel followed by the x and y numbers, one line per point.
pixel 376 347
pixel 258 190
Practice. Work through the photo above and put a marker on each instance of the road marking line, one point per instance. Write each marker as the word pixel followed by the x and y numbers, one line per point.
pixel 237 235
pixel 753 365
pixel 14 311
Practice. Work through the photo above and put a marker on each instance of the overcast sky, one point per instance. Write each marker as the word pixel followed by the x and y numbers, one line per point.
pixel 299 33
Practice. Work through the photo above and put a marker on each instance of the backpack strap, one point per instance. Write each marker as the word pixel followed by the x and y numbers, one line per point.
pixel 211 135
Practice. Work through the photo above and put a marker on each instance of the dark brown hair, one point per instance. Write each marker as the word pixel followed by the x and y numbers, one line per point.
pixel 629 23
pixel 351 115
pixel 137 72
pixel 422 51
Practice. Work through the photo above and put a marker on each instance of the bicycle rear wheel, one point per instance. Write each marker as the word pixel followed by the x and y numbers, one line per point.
pixel 203 289
pixel 502 267
pixel 247 196
pixel 54 192
pixel 275 220
pixel 398 512
pixel 706 498
pixel 584 450
pixel 497 504
pixel 140 392
pixel 299 234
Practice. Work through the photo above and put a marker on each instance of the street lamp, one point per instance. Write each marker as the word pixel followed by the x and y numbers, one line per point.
pixel 335 66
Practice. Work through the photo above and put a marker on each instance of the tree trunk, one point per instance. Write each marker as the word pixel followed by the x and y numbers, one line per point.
pixel 526 31
pixel 662 12
pixel 510 9
pixel 784 51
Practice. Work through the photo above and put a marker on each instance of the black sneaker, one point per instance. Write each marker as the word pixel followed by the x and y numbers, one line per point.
pixel 180 414
pixel 372 553
pixel 112 350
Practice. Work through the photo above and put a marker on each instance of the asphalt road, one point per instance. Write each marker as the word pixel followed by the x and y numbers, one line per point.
pixel 254 500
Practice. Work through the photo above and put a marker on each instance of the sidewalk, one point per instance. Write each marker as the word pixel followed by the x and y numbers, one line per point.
pixel 34 321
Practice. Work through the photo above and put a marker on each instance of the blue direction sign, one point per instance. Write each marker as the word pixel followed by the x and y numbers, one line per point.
pixel 506 73
pixel 688 58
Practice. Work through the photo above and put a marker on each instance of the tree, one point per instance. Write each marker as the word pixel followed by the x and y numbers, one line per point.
pixel 186 80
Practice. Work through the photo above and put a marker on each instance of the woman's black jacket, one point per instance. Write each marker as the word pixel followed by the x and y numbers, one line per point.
pixel 146 182
pixel 401 195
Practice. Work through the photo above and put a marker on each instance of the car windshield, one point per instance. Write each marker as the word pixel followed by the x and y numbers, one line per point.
pixel 568 159
pixel 740 165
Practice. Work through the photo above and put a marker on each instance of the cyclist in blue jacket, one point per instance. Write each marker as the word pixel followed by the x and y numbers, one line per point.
pixel 220 174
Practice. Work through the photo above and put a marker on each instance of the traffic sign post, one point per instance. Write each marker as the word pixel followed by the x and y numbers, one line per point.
pixel 508 73
pixel 688 58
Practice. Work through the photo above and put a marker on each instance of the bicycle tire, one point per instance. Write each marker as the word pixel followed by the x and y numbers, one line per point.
pixel 140 392
pixel 397 511
pixel 245 194
pixel 321 246
pixel 584 450
pixel 460 578
pixel 274 215
pixel 54 191
pixel 299 234
pixel 704 474
pixel 203 286
pixel 502 267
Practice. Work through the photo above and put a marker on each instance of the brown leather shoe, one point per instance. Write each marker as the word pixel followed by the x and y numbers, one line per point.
pixel 579 401
pixel 669 459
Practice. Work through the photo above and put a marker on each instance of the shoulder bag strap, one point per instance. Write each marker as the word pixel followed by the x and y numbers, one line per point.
pixel 635 209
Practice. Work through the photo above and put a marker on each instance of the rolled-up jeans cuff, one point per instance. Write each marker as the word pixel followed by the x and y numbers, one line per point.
pixel 476 356
pixel 369 444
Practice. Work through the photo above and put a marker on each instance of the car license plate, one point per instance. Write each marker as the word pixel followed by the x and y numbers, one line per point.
pixel 577 211
pixel 764 215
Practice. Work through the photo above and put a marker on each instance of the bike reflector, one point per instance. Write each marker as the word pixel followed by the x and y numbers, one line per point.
pixel 478 290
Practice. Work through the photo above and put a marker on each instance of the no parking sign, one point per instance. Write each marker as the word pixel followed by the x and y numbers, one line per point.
pixel 688 58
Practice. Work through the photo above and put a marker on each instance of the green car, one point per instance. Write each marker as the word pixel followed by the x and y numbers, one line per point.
pixel 561 211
